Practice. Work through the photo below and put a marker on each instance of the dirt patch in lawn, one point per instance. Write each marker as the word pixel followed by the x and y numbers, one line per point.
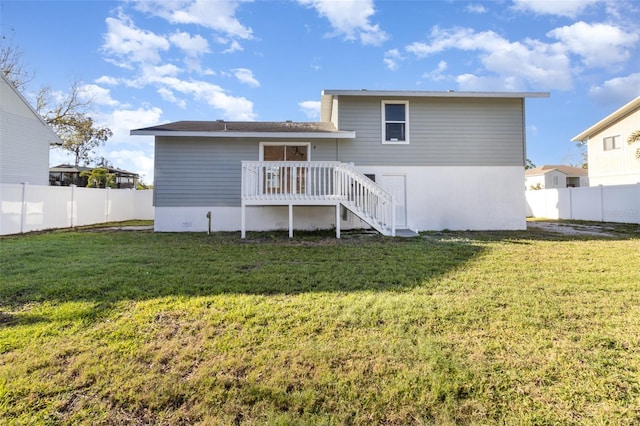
pixel 586 229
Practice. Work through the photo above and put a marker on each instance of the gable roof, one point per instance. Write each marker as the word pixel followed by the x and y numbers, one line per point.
pixel 240 129
pixel 55 139
pixel 612 118
pixel 567 170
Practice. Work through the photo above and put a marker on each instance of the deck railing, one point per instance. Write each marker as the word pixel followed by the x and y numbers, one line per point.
pixel 265 182
pixel 288 180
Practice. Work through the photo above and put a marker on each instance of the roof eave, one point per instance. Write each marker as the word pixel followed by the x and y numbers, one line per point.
pixel 608 120
pixel 227 134
pixel 436 94
pixel 56 139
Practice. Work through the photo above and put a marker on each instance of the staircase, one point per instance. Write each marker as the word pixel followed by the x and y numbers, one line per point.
pixel 367 200
pixel 318 183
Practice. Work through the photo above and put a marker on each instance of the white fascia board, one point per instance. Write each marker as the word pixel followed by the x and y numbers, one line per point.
pixel 608 120
pixel 233 135
pixel 56 141
pixel 435 94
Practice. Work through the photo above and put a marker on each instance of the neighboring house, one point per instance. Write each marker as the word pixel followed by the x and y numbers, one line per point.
pixel 612 161
pixel 390 159
pixel 66 174
pixel 547 177
pixel 24 139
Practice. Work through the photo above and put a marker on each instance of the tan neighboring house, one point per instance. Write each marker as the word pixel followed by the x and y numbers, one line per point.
pixel 25 139
pixel 560 176
pixel 612 160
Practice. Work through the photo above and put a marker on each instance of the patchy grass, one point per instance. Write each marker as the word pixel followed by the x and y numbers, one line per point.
pixel 448 328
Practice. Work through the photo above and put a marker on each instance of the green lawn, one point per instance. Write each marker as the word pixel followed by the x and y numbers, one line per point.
pixel 120 327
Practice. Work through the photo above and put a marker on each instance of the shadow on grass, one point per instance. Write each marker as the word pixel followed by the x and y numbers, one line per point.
pixel 107 267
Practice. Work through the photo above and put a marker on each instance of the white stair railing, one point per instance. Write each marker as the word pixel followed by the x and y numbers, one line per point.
pixel 366 199
pixel 299 181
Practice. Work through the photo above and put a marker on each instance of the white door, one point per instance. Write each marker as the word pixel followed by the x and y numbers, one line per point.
pixel 396 185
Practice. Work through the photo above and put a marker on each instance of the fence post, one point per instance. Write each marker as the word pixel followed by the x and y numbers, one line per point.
pixel 570 204
pixel 638 209
pixel 73 205
pixel 106 205
pixel 601 203
pixel 23 208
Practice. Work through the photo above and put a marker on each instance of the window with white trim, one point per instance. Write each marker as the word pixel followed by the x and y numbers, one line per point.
pixel 395 122
pixel 610 143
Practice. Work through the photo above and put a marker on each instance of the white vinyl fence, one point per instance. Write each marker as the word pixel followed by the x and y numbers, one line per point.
pixel 616 203
pixel 28 208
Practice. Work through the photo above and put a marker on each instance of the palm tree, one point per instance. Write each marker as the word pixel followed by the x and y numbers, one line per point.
pixel 633 138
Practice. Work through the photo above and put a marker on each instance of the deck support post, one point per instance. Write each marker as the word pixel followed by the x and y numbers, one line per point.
pixel 338 220
pixel 290 220
pixel 243 231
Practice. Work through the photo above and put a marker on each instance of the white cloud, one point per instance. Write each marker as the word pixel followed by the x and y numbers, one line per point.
pixel 233 108
pixel 473 83
pixel 350 18
pixel 569 8
pixel 169 96
pixel 234 46
pixel 541 65
pixel 151 73
pixel 475 8
pixel 130 44
pixel 599 45
pixel 218 15
pixel 310 108
pixel 97 95
pixel 436 74
pixel 617 91
pixel 122 121
pixel 105 79
pixel 391 59
pixel 193 46
pixel 137 161
pixel 245 76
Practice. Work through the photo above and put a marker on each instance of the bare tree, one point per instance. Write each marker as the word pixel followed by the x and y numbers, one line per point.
pixel 12 64
pixel 68 117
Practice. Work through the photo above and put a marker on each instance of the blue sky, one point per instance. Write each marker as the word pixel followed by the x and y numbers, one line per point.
pixel 147 62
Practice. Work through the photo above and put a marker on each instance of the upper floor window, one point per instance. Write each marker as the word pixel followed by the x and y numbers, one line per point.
pixel 611 143
pixel 395 122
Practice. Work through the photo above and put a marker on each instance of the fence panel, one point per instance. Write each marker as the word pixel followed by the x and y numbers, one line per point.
pixel 11 208
pixel 28 208
pixel 619 203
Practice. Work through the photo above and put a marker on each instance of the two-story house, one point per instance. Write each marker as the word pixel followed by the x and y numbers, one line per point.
pixel 391 160
pixel 612 161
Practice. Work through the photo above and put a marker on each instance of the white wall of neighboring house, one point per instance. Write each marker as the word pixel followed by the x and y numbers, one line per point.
pixel 554 179
pixel 24 140
pixel 534 182
pixel 617 166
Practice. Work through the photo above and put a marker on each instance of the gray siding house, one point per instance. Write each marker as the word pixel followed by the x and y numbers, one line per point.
pixel 391 160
